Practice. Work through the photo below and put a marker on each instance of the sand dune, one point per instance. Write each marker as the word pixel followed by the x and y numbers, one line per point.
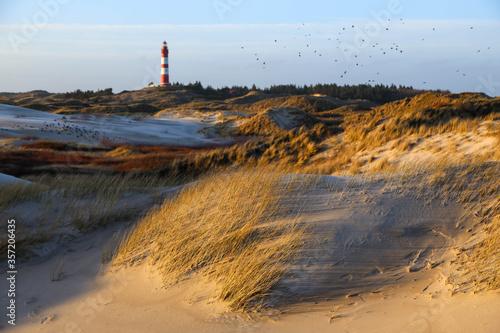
pixel 377 260
pixel 378 255
pixel 17 122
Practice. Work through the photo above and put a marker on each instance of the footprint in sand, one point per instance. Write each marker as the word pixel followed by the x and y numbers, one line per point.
pixel 48 319
pixel 33 314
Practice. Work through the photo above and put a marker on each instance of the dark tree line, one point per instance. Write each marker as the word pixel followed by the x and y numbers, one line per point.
pixel 378 93
pixel 80 94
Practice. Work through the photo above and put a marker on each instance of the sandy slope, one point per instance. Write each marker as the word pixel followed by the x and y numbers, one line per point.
pixel 7 179
pixel 377 261
pixel 17 122
pixel 391 230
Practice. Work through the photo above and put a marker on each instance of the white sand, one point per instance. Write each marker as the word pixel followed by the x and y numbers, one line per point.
pixel 7 179
pixel 92 129
pixel 438 149
pixel 389 251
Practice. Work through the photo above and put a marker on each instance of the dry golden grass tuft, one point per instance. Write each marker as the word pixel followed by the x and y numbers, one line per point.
pixel 122 151
pixel 12 193
pixel 44 156
pixel 294 147
pixel 484 263
pixel 425 114
pixel 57 270
pixel 479 267
pixel 226 227
pixel 355 167
pixel 382 165
pixel 306 103
pixel 276 121
pixel 81 202
pixel 403 125
pixel 260 124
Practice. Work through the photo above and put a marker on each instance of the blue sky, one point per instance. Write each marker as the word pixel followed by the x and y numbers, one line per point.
pixel 63 45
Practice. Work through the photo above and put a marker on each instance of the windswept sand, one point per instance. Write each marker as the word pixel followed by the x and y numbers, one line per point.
pixel 92 129
pixel 378 258
pixel 7 179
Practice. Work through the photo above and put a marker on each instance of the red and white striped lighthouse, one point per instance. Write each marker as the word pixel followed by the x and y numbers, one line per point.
pixel 164 65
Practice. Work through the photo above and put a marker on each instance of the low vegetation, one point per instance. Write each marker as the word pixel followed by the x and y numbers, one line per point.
pixel 150 100
pixel 226 224
pixel 226 227
pixel 68 203
pixel 478 187
pixel 401 126
pixel 52 157
pixel 57 270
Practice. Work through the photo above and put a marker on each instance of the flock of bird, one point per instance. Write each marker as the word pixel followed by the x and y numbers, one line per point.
pixel 71 129
pixel 352 53
pixel 64 127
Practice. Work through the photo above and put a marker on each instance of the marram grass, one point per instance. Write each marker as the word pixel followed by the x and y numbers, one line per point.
pixel 227 228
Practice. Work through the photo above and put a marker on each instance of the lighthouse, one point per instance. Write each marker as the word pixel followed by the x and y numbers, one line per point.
pixel 164 65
